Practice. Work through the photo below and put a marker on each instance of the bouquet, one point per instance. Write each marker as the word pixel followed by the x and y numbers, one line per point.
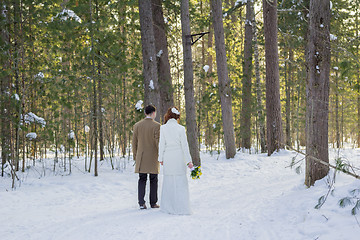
pixel 195 172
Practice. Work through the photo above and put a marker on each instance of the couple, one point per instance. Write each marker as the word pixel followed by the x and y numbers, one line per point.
pixel 167 145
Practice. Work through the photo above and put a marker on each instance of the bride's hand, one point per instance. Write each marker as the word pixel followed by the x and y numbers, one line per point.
pixel 161 163
pixel 190 165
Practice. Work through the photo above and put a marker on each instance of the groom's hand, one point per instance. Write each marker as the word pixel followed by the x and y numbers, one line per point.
pixel 161 163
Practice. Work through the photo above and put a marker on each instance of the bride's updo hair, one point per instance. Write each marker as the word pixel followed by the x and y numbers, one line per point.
pixel 172 112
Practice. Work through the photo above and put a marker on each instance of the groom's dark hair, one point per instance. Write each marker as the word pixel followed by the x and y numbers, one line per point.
pixel 149 109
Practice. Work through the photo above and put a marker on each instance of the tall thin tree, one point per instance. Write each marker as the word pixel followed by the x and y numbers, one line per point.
pixel 246 107
pixel 150 72
pixel 273 106
pixel 191 127
pixel 224 81
pixel 94 107
pixel 317 89
pixel 259 97
pixel 162 56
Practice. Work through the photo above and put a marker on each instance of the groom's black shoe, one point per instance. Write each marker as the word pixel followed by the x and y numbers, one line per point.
pixel 142 207
pixel 155 206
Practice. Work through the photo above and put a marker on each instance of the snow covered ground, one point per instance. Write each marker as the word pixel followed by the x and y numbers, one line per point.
pixel 250 197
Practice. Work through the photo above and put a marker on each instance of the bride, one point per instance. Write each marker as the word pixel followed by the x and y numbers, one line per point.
pixel 174 155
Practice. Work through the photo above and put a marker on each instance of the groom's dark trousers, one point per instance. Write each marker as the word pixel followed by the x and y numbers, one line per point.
pixel 153 188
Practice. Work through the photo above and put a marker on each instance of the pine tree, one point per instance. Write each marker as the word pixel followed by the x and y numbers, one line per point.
pixel 318 68
pixel 224 81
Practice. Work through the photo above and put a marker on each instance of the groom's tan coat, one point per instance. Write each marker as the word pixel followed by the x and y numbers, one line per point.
pixel 145 146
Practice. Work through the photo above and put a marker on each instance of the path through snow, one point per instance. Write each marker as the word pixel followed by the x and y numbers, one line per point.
pixel 249 197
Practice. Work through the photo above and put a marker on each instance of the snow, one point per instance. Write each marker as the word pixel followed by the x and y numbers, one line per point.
pixel 240 2
pixel 33 118
pixel 87 128
pixel 253 196
pixel 66 14
pixel 159 53
pixel 39 75
pixel 206 68
pixel 321 25
pixel 71 135
pixel 16 96
pixel 214 125
pixel 31 135
pixel 151 85
pixel 332 37
pixel 336 68
pixel 248 22
pixel 102 110
pixel 138 105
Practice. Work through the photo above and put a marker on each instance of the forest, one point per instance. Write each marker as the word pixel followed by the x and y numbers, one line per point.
pixel 268 92
pixel 253 76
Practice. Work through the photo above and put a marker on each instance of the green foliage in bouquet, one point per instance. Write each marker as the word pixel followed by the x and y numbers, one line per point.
pixel 196 172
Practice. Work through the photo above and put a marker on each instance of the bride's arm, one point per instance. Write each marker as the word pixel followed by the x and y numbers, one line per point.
pixel 185 147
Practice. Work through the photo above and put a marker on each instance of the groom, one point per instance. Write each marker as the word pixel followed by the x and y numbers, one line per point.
pixel 145 146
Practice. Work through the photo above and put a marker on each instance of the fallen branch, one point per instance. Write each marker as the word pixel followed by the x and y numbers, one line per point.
pixel 325 163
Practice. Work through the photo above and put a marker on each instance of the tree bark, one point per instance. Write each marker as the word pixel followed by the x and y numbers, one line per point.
pixel 358 73
pixel 337 128
pixel 273 106
pixel 94 110
pixel 162 56
pixel 288 84
pixel 150 72
pixel 317 89
pixel 224 81
pixel 260 115
pixel 5 87
pixel 191 126
pixel 246 108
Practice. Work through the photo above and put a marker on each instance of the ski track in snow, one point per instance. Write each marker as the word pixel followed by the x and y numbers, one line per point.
pixel 252 196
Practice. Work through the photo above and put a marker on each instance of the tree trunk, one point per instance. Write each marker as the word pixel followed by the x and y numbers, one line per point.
pixel 5 87
pixel 162 56
pixel 17 51
pixel 358 72
pixel 94 110
pixel 317 89
pixel 224 81
pixel 288 84
pixel 151 88
pixel 246 108
pixel 337 129
pixel 260 115
pixel 273 106
pixel 191 127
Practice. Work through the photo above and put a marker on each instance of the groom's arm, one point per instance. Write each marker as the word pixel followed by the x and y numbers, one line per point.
pixel 161 146
pixel 134 142
pixel 157 137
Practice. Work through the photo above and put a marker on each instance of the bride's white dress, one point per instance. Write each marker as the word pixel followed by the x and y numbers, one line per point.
pixel 174 153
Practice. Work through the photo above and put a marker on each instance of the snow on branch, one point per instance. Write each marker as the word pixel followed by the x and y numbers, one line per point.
pixel 66 14
pixel 31 135
pixel 33 118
